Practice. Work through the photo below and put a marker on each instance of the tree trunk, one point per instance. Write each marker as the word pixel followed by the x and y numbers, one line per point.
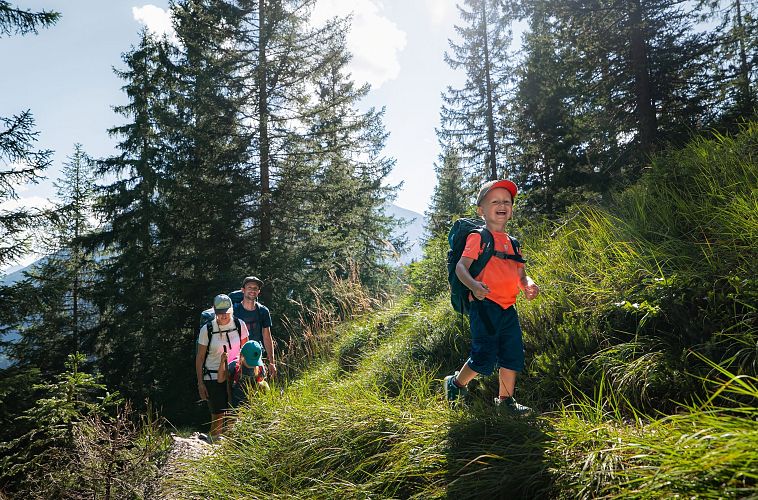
pixel 645 108
pixel 746 97
pixel 491 158
pixel 265 242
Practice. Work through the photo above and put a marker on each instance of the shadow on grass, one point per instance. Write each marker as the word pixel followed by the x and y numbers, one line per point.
pixel 497 456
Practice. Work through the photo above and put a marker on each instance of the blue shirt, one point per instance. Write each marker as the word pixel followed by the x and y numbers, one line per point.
pixel 255 320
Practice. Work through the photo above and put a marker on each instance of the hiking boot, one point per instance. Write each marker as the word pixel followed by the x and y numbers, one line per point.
pixel 452 392
pixel 512 407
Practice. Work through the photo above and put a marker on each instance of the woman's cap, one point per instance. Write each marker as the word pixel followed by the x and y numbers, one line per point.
pixel 489 186
pixel 222 304
pixel 251 351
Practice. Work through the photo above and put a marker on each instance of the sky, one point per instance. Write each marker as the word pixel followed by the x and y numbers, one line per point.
pixel 64 75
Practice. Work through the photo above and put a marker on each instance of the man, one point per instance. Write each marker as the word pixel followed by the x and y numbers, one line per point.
pixel 257 318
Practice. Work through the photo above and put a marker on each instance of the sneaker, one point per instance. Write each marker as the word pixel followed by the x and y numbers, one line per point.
pixel 452 392
pixel 511 406
pixel 209 438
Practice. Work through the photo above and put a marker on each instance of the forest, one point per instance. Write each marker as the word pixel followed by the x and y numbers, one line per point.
pixel 629 127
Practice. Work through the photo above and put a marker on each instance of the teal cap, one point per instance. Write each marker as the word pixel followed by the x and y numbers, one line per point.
pixel 252 353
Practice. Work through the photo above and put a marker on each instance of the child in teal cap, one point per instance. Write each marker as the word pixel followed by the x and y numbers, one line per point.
pixel 248 375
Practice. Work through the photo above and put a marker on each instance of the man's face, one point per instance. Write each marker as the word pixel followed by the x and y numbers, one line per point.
pixel 497 206
pixel 251 291
pixel 223 318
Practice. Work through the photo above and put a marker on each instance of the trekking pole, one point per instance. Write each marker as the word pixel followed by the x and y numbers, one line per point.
pixel 228 382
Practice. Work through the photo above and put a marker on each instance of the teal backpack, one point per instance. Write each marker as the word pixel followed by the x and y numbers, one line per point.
pixel 459 293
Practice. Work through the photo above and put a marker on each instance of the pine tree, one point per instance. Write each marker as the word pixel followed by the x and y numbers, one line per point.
pixel 21 22
pixel 334 175
pixel 734 59
pixel 133 212
pixel 450 198
pixel 55 309
pixel 39 463
pixel 554 172
pixel 20 163
pixel 474 119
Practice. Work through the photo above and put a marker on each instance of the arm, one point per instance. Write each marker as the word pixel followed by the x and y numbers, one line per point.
pixel 478 288
pixel 199 358
pixel 244 334
pixel 530 288
pixel 268 344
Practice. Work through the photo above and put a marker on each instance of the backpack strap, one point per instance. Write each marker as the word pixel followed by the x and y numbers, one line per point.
pixel 515 255
pixel 211 332
pixel 488 250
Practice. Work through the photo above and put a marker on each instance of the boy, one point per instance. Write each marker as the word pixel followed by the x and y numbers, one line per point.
pixel 251 372
pixel 495 328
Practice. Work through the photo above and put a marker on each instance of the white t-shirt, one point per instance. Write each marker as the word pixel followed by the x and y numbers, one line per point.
pixel 219 341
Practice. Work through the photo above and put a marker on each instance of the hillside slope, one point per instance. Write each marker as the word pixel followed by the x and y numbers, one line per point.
pixel 640 357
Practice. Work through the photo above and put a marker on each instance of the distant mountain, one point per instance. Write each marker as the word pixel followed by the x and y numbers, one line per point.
pixel 413 229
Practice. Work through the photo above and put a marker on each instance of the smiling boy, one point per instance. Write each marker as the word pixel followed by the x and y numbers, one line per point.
pixel 496 337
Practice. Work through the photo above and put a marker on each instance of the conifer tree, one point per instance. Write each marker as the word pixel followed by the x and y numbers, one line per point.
pixel 20 162
pixel 333 176
pixel 451 198
pixel 132 211
pixel 210 189
pixel 57 316
pixel 16 21
pixel 734 59
pixel 634 70
pixel 474 118
pixel 549 146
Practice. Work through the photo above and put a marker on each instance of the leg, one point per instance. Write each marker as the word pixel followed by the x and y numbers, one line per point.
pixel 507 380
pixel 217 424
pixel 465 375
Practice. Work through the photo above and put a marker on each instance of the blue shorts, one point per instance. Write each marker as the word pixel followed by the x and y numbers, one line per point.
pixel 504 346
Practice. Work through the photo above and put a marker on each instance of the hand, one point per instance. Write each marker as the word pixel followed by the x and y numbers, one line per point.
pixel 531 291
pixel 271 369
pixel 202 390
pixel 480 290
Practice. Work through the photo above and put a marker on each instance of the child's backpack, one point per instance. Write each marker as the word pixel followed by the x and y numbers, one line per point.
pixel 459 293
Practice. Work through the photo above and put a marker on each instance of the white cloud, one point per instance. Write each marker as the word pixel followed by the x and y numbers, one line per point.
pixel 374 40
pixel 156 20
pixel 439 10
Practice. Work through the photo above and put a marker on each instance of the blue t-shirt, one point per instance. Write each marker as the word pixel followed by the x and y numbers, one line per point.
pixel 255 320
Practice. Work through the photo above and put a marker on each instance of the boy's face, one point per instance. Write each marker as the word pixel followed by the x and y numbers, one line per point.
pixel 497 206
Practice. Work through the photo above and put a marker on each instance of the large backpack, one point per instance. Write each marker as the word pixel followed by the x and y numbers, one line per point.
pixel 459 293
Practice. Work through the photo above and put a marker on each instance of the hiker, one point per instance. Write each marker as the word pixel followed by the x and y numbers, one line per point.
pixel 246 373
pixel 215 349
pixel 495 330
pixel 257 318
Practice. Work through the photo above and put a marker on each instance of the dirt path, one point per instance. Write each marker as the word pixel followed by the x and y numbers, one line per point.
pixel 182 449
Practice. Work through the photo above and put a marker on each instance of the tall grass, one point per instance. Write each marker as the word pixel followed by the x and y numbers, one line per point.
pixel 631 291
pixel 707 451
